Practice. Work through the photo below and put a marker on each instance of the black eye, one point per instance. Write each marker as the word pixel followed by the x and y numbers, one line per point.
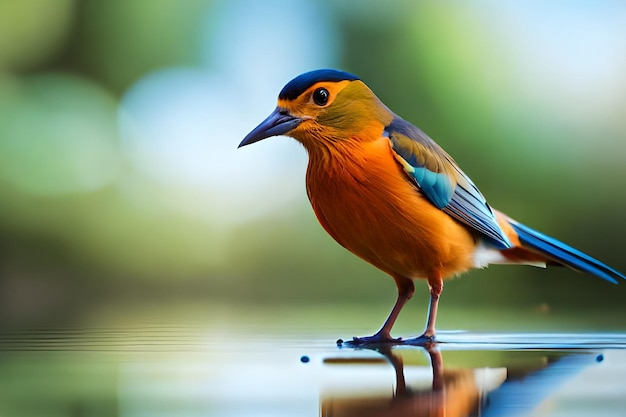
pixel 320 96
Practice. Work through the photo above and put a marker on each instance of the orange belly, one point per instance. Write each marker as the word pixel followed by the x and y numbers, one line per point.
pixel 365 202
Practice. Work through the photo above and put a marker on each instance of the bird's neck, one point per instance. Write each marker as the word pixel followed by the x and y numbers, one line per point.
pixel 330 155
pixel 332 161
pixel 332 146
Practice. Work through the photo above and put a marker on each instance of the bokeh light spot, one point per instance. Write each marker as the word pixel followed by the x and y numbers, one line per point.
pixel 57 135
pixel 31 31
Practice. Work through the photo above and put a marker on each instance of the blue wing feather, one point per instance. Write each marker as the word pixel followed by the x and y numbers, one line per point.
pixel 442 181
pixel 437 186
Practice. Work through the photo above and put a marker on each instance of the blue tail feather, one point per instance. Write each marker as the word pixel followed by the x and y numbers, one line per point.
pixel 564 254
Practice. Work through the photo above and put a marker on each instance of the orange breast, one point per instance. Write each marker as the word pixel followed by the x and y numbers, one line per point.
pixel 365 202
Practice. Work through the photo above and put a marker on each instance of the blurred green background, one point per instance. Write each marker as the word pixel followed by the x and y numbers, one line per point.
pixel 121 184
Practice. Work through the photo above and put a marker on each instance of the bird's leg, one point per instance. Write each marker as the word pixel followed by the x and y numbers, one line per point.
pixel 435 292
pixel 405 292
pixel 435 286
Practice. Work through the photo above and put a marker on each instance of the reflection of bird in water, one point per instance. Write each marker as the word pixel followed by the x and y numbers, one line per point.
pixel 454 392
pixel 388 193
pixel 516 389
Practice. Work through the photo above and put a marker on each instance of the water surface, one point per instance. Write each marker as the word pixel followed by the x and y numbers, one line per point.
pixel 157 369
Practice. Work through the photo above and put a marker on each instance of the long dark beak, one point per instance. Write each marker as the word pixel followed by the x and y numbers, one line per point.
pixel 277 123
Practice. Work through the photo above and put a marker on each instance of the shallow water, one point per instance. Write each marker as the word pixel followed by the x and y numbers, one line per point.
pixel 156 370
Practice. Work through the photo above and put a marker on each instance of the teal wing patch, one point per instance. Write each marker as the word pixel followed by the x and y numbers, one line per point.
pixel 441 180
pixel 437 186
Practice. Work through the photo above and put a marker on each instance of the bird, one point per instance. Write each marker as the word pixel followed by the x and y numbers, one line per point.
pixel 388 193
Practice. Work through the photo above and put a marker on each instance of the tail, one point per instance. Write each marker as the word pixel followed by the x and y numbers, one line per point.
pixel 563 254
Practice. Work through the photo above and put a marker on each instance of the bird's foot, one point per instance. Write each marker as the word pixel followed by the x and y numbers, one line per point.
pixel 421 340
pixel 376 339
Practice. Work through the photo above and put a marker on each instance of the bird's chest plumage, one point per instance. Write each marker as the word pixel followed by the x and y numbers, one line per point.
pixel 365 202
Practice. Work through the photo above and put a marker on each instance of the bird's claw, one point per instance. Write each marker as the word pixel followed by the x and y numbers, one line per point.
pixel 376 339
pixel 421 340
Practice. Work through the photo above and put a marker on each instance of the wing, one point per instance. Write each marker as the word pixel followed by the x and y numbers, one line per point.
pixel 442 181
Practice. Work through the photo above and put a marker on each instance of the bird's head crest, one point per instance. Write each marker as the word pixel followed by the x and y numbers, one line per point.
pixel 294 88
